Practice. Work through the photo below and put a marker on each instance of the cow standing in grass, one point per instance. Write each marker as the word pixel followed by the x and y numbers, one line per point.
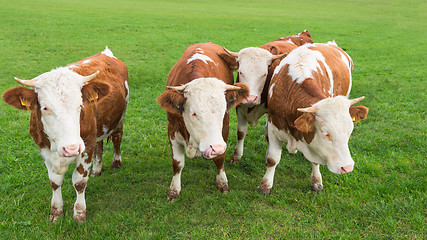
pixel 197 99
pixel 308 107
pixel 73 109
pixel 256 73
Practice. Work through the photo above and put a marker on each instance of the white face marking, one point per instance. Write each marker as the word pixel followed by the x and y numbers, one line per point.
pixel 108 52
pixel 204 111
pixel 253 68
pixel 60 99
pixel 333 129
pixel 200 56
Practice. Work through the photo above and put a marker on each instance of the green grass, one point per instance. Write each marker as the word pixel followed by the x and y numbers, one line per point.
pixel 384 198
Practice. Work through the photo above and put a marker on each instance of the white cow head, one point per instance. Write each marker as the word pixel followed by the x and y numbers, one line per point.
pixel 253 63
pixel 202 103
pixel 57 97
pixel 331 120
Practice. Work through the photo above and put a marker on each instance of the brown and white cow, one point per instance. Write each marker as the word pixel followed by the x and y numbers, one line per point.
pixel 197 99
pixel 73 109
pixel 308 107
pixel 257 75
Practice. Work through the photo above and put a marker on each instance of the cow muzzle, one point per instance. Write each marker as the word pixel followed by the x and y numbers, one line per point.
pixel 346 169
pixel 252 99
pixel 71 150
pixel 213 151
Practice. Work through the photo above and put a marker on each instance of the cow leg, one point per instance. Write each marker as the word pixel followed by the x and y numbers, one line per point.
pixel 221 178
pixel 80 177
pixel 274 152
pixel 316 178
pixel 97 159
pixel 56 203
pixel 117 141
pixel 242 129
pixel 178 161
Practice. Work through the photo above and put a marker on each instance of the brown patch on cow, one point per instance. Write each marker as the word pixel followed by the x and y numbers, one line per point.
pixel 266 138
pixel 53 185
pixel 305 123
pixel 80 186
pixel 80 169
pixel 172 194
pixel 176 167
pixel 263 187
pixel 219 162
pixel 240 135
pixel 270 162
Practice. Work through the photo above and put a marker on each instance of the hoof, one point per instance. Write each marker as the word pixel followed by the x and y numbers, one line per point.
pixel 223 188
pixel 80 217
pixel 234 160
pixel 115 167
pixel 53 218
pixel 263 191
pixel 317 188
pixel 96 174
pixel 172 194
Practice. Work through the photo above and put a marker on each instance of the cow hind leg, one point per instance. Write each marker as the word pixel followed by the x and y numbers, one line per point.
pixel 242 129
pixel 316 178
pixel 221 178
pixel 178 162
pixel 80 178
pixel 97 159
pixel 117 141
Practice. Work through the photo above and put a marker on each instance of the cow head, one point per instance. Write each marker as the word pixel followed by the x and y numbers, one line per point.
pixel 253 63
pixel 331 120
pixel 58 97
pixel 202 103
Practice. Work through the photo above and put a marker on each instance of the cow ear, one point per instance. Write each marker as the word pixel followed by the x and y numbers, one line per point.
pixel 358 113
pixel 235 97
pixel 20 97
pixel 95 91
pixel 305 123
pixel 172 101
pixel 230 58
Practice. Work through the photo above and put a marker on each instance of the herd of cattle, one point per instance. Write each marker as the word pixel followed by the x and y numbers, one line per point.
pixel 302 86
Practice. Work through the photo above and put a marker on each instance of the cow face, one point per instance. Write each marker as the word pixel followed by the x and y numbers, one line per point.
pixel 253 65
pixel 202 103
pixel 57 96
pixel 331 120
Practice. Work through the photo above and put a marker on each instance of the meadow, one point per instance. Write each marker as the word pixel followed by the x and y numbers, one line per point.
pixel 385 197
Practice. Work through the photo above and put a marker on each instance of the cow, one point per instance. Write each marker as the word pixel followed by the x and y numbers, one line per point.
pixel 258 79
pixel 73 109
pixel 309 109
pixel 200 91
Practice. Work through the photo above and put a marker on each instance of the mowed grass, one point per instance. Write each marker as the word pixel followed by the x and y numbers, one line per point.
pixel 383 198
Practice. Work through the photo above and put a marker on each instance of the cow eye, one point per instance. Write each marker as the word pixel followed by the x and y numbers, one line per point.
pixel 326 135
pixel 194 115
pixel 45 110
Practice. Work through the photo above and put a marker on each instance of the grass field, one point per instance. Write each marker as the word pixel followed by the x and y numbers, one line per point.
pixel 383 198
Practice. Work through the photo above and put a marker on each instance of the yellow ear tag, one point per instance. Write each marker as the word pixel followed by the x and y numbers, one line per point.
pixel 24 104
pixel 94 97
pixel 354 119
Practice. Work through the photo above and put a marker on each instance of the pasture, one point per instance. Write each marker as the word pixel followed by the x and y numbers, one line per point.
pixel 385 197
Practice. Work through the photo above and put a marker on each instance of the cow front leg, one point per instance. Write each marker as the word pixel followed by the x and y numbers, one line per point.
pixel 242 129
pixel 117 142
pixel 274 152
pixel 97 159
pixel 316 178
pixel 56 209
pixel 80 178
pixel 221 178
pixel 178 161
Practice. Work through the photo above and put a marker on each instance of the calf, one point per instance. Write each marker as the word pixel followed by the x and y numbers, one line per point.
pixel 197 99
pixel 73 109
pixel 308 107
pixel 258 77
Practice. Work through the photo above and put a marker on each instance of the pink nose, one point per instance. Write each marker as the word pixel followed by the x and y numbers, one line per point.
pixel 251 100
pixel 346 169
pixel 71 150
pixel 213 151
